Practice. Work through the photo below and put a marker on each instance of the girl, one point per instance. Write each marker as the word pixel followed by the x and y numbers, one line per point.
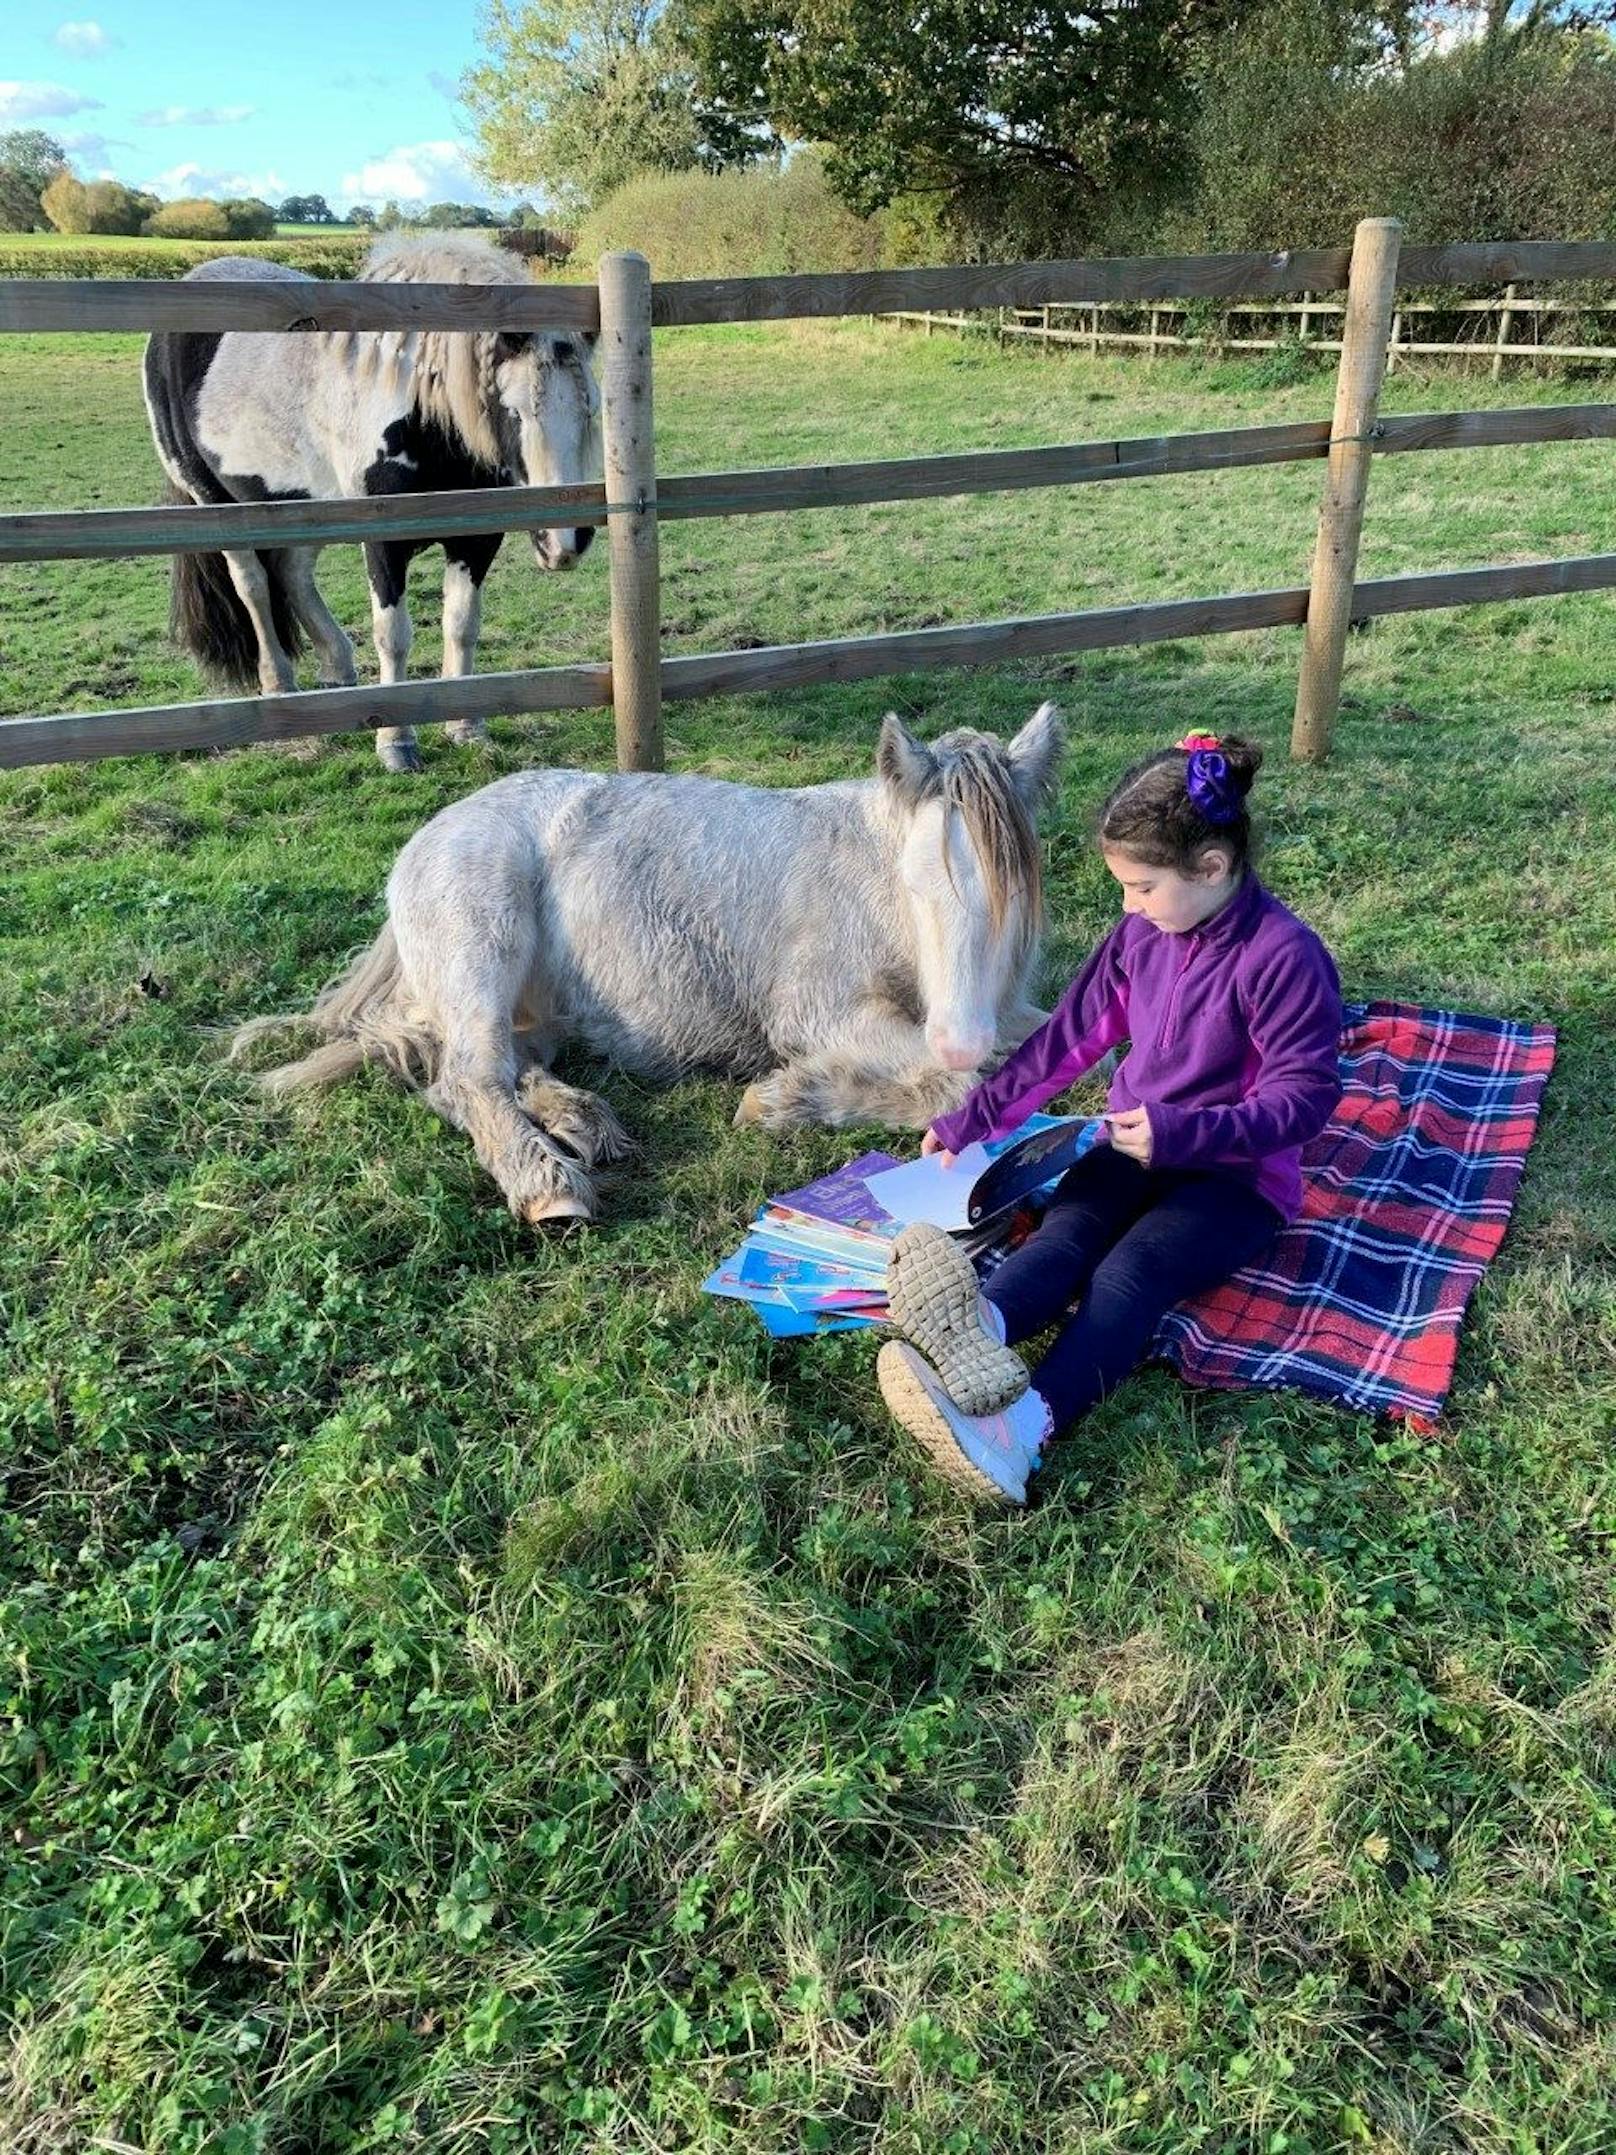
pixel 1232 1009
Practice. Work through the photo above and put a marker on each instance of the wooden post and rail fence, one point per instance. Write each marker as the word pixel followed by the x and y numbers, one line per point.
pixel 632 500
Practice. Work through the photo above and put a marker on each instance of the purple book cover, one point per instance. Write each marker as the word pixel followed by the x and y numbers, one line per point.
pixel 844 1198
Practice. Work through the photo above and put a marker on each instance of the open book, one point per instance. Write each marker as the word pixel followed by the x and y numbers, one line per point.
pixel 987 1179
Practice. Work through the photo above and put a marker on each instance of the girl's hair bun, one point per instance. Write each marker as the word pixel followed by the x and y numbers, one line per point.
pixel 1175 804
pixel 1244 759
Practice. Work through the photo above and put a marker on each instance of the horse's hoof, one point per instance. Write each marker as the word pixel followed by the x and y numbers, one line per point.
pixel 556 1212
pixel 750 1111
pixel 400 756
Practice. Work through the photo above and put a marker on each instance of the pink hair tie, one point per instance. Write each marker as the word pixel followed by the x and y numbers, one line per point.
pixel 1198 740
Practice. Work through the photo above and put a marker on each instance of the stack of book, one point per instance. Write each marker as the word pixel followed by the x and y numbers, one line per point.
pixel 814 1260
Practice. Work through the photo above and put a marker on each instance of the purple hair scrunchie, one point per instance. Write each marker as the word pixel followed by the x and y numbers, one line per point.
pixel 1213 795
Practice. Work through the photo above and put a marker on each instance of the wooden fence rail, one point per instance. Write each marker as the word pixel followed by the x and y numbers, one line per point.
pixel 633 499
pixel 99 534
pixel 1092 327
pixel 79 736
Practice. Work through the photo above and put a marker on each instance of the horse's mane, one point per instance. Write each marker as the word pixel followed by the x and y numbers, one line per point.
pixel 452 371
pixel 974 777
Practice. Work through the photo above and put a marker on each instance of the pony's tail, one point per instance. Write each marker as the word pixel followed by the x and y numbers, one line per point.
pixel 363 1016
pixel 206 616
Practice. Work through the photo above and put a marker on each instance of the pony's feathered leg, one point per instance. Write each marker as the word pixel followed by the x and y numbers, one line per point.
pixel 581 1121
pixel 388 566
pixel 469 953
pixel 466 563
pixel 475 1089
pixel 878 1070
pixel 841 1088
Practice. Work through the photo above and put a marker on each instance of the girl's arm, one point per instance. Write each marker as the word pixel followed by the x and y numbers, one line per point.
pixel 1296 1030
pixel 1089 1018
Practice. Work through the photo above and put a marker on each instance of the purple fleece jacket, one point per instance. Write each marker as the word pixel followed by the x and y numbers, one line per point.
pixel 1233 1030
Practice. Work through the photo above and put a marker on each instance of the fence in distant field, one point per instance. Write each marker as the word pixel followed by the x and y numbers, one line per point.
pixel 631 501
pixel 1504 329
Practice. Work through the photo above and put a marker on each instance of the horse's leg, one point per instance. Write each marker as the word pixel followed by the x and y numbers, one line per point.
pixel 388 565
pixel 276 676
pixel 476 982
pixel 336 652
pixel 581 1121
pixel 878 1069
pixel 466 563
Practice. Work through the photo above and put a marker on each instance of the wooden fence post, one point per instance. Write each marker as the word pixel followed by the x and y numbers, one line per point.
pixel 1504 320
pixel 1371 292
pixel 631 529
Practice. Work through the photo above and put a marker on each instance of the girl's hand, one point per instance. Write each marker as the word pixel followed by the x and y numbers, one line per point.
pixel 932 1143
pixel 1131 1134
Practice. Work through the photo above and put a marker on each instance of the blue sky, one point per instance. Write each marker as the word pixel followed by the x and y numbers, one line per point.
pixel 352 99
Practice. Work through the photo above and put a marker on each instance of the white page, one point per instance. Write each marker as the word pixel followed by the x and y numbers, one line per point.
pixel 926 1190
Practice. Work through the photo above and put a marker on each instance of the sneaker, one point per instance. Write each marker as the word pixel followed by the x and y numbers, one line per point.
pixel 934 1301
pixel 987 1456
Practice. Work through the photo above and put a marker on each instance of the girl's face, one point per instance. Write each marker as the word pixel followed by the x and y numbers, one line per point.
pixel 1172 902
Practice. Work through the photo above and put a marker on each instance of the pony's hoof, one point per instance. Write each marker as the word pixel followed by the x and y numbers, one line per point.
pixel 556 1212
pixel 400 756
pixel 750 1111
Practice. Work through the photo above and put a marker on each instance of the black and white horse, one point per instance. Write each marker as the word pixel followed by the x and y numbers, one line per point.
pixel 244 416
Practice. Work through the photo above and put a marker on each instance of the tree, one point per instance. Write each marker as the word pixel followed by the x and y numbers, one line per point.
pixel 249 217
pixel 193 217
pixel 458 217
pixel 29 160
pixel 1036 128
pixel 361 213
pixel 578 96
pixel 306 209
pixel 391 216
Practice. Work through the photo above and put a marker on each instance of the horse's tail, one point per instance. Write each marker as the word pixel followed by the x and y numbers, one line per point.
pixel 207 618
pixel 364 1017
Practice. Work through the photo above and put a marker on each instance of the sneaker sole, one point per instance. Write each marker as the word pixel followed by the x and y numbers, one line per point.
pixel 932 1297
pixel 913 1409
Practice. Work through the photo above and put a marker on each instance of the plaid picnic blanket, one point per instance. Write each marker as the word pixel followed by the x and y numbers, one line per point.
pixel 1406 1196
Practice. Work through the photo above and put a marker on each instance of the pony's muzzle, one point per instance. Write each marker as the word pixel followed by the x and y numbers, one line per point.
pixel 559 549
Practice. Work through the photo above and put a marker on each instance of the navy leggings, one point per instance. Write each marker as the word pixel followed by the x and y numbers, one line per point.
pixel 1138 1239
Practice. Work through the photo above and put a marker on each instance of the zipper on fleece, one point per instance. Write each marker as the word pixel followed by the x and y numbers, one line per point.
pixel 1164 1038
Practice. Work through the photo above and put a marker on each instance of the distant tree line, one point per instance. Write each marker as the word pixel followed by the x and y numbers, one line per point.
pixel 39 191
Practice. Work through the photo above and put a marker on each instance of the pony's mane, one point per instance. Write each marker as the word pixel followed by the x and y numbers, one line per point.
pixel 451 371
pixel 974 776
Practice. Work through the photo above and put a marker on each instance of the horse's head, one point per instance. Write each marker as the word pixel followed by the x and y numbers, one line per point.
pixel 967 810
pixel 549 425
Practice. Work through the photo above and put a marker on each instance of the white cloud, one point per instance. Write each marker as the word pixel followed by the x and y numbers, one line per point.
pixel 41 101
pixel 194 116
pixel 417 172
pixel 84 40
pixel 190 179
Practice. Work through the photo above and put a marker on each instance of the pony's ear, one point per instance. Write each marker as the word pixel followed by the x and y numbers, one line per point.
pixel 511 344
pixel 1035 755
pixel 905 766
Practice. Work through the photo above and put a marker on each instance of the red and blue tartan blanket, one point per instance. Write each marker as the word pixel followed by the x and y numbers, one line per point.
pixel 1406 1195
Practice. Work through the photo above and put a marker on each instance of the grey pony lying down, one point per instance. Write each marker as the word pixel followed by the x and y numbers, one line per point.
pixel 860 951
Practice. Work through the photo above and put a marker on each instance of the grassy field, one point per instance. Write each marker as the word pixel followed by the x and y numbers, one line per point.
pixel 468 1692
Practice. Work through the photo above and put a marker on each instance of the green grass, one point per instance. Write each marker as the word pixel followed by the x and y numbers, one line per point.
pixel 469 1692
